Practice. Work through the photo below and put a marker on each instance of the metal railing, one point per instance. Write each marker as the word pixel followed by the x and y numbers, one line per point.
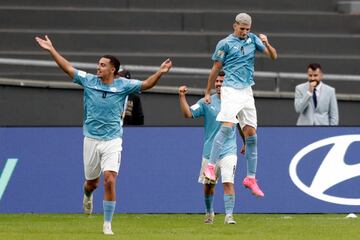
pixel 277 76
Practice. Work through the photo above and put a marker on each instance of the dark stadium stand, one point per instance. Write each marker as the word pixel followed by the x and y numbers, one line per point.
pixel 143 32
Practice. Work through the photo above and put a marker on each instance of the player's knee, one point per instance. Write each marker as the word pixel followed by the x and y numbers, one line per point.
pixel 94 185
pixel 91 185
pixel 249 131
pixel 108 183
pixel 109 180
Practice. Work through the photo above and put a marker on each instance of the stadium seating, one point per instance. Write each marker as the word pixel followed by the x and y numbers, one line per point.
pixel 143 32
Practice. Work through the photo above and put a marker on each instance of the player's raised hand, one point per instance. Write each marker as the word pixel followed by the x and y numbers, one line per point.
pixel 207 98
pixel 264 39
pixel 44 43
pixel 183 90
pixel 166 66
pixel 269 50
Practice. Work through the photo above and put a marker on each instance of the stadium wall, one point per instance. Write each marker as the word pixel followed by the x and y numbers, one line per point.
pixel 301 170
pixel 23 106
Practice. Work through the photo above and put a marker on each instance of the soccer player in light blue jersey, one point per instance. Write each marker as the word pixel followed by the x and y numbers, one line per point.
pixel 236 55
pixel 104 97
pixel 226 165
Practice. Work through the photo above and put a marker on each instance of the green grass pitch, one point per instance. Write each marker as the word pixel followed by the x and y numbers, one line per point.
pixel 179 226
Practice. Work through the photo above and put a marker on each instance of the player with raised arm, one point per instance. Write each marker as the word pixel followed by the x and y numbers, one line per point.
pixel 226 165
pixel 236 55
pixel 104 97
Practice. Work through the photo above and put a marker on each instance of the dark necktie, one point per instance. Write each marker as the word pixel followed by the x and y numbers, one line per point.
pixel 314 97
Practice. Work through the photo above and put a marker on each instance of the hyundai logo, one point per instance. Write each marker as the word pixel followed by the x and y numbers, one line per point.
pixel 332 171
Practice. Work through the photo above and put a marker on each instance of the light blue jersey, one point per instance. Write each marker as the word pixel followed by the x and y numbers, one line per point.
pixel 104 104
pixel 238 59
pixel 211 126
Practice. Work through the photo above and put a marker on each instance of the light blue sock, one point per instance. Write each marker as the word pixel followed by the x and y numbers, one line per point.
pixel 229 201
pixel 222 135
pixel 109 209
pixel 251 155
pixel 209 203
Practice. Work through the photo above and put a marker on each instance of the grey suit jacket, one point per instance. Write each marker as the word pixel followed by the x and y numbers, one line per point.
pixel 326 112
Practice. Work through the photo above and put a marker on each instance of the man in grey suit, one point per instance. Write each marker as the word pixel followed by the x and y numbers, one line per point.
pixel 315 101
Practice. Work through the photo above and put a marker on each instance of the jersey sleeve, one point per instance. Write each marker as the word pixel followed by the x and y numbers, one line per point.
pixel 132 86
pixel 197 110
pixel 81 77
pixel 221 51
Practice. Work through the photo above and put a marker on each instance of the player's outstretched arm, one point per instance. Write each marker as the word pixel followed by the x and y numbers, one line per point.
pixel 153 79
pixel 47 45
pixel 184 106
pixel 211 80
pixel 270 51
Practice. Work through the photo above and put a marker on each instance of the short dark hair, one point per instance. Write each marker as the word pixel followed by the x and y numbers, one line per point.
pixel 221 73
pixel 113 61
pixel 125 73
pixel 314 66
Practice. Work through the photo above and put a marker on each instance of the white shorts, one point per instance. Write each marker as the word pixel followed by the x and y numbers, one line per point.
pixel 238 106
pixel 225 167
pixel 100 156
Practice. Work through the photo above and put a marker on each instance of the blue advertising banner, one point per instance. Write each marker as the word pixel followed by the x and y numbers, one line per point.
pixel 300 170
